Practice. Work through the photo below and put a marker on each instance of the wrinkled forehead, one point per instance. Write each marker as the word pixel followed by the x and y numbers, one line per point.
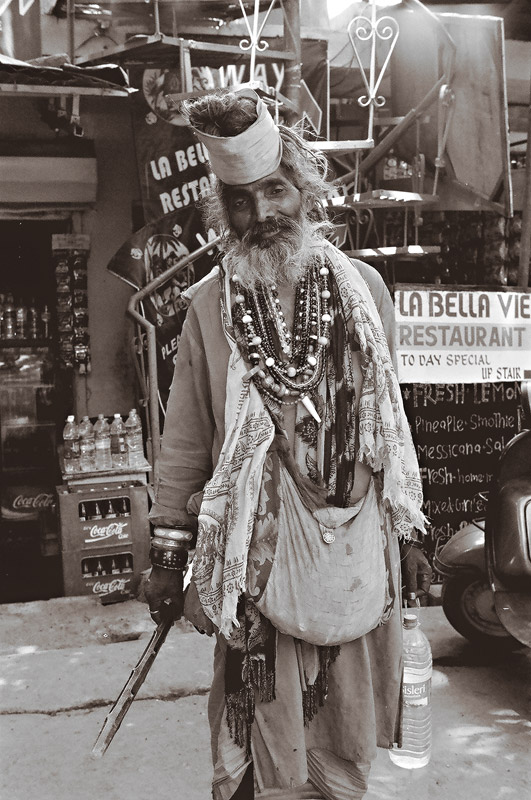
pixel 276 178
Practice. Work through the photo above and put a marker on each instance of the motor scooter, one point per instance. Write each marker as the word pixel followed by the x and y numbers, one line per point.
pixel 486 566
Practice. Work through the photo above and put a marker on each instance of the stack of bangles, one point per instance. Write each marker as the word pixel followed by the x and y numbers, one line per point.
pixel 169 547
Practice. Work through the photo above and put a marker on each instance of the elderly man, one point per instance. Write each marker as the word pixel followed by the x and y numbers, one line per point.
pixel 287 450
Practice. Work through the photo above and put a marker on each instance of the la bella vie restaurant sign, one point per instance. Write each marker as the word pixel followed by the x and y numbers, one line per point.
pixel 445 336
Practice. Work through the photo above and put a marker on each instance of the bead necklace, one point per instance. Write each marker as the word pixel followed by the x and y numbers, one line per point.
pixel 298 368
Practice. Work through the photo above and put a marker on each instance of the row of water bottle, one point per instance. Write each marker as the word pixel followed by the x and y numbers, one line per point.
pixel 89 448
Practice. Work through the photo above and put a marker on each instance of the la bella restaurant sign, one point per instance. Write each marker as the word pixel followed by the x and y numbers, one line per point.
pixel 462 336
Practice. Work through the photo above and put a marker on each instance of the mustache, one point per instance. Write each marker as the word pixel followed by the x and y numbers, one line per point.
pixel 285 225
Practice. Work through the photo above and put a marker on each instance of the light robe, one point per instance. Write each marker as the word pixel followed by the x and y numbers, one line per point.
pixel 331 756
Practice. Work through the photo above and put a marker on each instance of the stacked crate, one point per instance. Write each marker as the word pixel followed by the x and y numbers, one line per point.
pixel 104 538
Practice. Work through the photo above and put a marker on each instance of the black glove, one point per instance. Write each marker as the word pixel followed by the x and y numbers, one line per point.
pixel 416 573
pixel 164 593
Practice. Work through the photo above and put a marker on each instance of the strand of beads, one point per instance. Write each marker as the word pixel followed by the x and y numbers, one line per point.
pixel 302 371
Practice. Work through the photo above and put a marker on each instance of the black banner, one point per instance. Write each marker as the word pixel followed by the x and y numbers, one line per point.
pixel 150 252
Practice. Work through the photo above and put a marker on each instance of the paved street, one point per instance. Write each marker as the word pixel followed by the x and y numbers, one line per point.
pixel 63 662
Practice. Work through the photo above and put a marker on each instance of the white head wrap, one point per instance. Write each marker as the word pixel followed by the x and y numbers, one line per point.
pixel 250 155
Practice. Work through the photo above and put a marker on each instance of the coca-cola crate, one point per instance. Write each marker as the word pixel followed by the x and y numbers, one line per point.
pixel 115 571
pixel 99 524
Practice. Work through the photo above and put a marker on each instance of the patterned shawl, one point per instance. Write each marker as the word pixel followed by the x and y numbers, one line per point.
pixel 230 499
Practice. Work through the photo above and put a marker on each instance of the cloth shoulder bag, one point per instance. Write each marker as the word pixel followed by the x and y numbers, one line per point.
pixel 317 572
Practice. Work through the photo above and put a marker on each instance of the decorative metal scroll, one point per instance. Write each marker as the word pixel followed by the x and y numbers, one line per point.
pixel 368 27
pixel 254 42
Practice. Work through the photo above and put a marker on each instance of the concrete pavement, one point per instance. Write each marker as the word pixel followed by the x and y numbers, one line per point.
pixel 64 661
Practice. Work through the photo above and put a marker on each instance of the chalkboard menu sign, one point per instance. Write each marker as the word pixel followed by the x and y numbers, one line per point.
pixel 459 431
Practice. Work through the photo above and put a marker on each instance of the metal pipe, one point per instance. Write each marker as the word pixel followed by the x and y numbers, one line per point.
pixel 70 15
pixel 388 141
pixel 132 309
pixel 292 41
pixel 525 237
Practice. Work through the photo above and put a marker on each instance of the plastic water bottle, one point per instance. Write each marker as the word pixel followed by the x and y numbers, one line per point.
pixel 118 444
pixel 102 441
pixel 87 457
pixel 134 440
pixel 416 698
pixel 71 446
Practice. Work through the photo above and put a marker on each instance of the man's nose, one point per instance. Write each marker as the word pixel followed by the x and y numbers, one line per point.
pixel 263 209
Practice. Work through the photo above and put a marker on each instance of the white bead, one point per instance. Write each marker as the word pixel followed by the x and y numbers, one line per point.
pixel 281 390
pixel 256 340
pixel 261 373
pixel 291 371
pixel 235 278
pixel 325 294
pixel 269 381
pixel 240 298
pixel 312 360
pixel 246 319
pixel 326 318
pixel 322 340
pixel 324 271
pixel 270 361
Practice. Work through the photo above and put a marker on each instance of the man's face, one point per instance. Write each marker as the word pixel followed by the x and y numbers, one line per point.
pixel 263 209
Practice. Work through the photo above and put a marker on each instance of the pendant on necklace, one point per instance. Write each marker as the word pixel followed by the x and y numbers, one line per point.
pixel 309 406
pixel 328 536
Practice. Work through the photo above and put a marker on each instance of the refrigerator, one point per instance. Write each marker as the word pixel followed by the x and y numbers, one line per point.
pixel 35 395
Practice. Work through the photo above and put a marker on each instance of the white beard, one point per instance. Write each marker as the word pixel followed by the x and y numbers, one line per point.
pixel 283 258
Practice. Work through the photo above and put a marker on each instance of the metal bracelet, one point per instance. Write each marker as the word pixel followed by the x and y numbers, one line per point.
pixel 174 534
pixel 168 544
pixel 414 543
pixel 169 559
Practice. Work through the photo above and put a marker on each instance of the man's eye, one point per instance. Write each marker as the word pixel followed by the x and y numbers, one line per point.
pixel 239 203
pixel 277 190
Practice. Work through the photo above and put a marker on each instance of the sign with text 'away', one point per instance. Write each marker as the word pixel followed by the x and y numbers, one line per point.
pixel 462 336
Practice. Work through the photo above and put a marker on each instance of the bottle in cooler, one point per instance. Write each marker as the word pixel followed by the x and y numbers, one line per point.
pixel 134 440
pixel 33 321
pixel 415 749
pixel 87 445
pixel 71 449
pixel 21 317
pixel 46 318
pixel 102 441
pixel 9 326
pixel 118 444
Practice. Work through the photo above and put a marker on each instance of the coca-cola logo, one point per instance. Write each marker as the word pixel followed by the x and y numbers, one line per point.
pixel 29 502
pixel 98 532
pixel 116 585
